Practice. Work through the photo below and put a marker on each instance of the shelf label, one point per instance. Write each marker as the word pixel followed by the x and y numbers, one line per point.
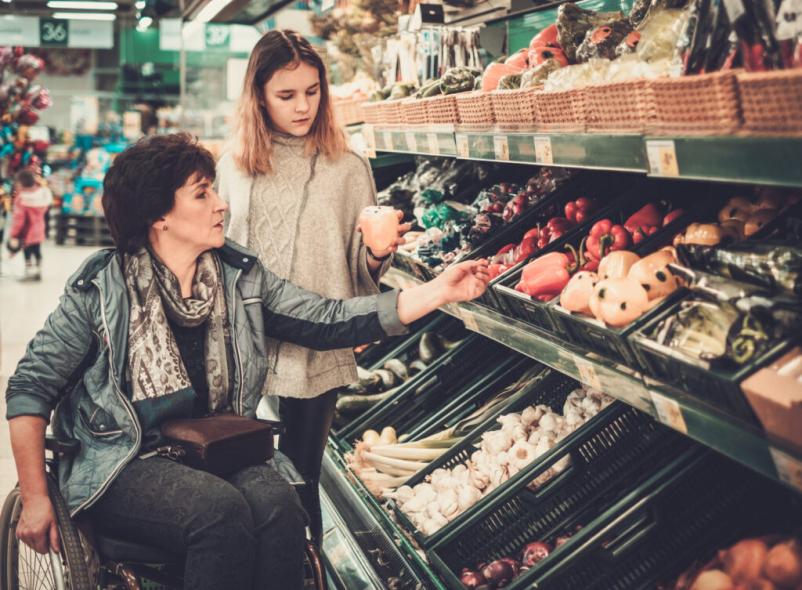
pixel 463 149
pixel 434 143
pixel 543 153
pixel 501 148
pixel 669 412
pixel 412 142
pixel 662 154
pixel 469 319
pixel 387 136
pixel 587 374
pixel 370 140
pixel 789 469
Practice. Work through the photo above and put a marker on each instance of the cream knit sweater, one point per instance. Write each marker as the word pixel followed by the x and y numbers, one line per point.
pixel 301 221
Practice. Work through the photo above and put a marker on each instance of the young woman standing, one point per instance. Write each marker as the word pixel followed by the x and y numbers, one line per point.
pixel 295 191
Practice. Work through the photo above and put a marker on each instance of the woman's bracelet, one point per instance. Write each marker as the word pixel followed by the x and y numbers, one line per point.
pixel 376 258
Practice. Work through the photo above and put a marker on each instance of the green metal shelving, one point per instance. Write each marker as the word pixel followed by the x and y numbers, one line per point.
pixel 743 159
pixel 738 440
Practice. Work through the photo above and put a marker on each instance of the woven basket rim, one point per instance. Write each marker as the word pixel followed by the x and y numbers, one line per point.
pixel 769 76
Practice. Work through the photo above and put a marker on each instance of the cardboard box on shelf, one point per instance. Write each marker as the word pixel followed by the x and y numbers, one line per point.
pixel 775 394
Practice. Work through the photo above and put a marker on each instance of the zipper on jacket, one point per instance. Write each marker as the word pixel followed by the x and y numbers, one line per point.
pixel 234 339
pixel 126 404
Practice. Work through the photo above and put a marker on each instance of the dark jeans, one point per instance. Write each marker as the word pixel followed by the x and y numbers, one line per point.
pixel 33 252
pixel 307 423
pixel 247 531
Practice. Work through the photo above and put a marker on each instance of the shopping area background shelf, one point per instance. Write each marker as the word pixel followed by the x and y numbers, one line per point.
pixel 732 158
pixel 738 440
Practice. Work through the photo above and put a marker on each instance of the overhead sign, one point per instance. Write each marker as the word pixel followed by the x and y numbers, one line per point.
pixel 198 36
pixel 32 31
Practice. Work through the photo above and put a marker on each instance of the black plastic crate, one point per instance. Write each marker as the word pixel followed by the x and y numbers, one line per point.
pixel 681 516
pixel 573 328
pixel 442 325
pixel 551 389
pixel 378 353
pixel 473 359
pixel 715 386
pixel 615 454
pixel 412 266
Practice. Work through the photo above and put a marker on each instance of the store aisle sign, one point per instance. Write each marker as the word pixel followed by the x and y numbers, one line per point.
pixel 202 36
pixel 32 31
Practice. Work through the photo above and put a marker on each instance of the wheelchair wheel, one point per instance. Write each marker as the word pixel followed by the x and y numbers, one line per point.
pixel 22 568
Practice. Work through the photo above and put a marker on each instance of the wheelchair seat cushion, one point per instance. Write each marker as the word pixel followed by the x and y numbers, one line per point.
pixel 115 549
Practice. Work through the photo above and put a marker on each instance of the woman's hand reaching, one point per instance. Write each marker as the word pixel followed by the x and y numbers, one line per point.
pixel 376 231
pixel 463 281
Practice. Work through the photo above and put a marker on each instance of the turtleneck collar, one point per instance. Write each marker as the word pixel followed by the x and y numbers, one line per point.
pixel 288 140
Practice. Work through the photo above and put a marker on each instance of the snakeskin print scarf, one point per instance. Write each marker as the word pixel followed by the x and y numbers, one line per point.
pixel 155 367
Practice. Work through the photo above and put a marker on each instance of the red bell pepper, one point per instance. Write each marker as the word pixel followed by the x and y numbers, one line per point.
pixel 647 216
pixel 526 249
pixel 672 215
pixel 579 210
pixel 515 207
pixel 550 281
pixel 532 233
pixel 606 237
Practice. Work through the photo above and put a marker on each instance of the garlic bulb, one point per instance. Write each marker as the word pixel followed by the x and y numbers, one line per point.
pixel 415 504
pixel 547 423
pixel 521 454
pixel 468 496
pixel 402 494
pixel 447 503
pixel 433 509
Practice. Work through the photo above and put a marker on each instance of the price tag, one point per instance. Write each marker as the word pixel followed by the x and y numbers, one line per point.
pixel 587 374
pixel 789 469
pixel 735 9
pixel 469 319
pixel 387 136
pixel 463 150
pixel 370 140
pixel 412 142
pixel 669 412
pixel 501 148
pixel 662 156
pixel 434 144
pixel 543 153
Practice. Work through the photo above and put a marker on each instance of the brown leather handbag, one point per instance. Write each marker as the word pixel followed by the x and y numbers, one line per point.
pixel 221 444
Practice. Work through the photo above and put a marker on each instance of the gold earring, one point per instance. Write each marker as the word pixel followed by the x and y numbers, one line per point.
pixel 164 227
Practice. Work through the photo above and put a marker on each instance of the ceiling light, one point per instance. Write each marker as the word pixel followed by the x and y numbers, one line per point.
pixel 140 4
pixel 84 15
pixel 79 5
pixel 211 10
pixel 144 23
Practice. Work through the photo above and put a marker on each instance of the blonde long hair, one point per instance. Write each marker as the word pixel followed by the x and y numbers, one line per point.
pixel 274 51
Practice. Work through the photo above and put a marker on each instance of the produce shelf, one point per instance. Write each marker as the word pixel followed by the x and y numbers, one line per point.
pixel 732 158
pixel 738 440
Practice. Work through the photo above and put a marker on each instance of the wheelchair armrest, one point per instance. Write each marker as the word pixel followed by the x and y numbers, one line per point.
pixel 278 426
pixel 63 449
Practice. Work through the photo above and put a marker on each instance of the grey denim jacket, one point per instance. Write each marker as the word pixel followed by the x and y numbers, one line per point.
pixel 76 363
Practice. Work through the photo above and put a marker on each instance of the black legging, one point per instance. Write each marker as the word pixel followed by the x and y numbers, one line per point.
pixel 33 252
pixel 307 423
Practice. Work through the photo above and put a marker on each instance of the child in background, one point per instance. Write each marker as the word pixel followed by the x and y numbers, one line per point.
pixel 31 201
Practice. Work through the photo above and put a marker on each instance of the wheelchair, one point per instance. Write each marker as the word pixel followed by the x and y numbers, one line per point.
pixel 91 561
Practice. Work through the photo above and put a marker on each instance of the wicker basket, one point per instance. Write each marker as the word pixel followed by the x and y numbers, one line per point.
pixel 701 104
pixel 772 101
pixel 475 109
pixel 441 110
pixel 413 112
pixel 348 111
pixel 515 108
pixel 390 113
pixel 620 106
pixel 563 110
pixel 371 112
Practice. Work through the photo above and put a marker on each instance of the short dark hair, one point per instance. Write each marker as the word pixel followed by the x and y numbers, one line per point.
pixel 140 185
pixel 26 178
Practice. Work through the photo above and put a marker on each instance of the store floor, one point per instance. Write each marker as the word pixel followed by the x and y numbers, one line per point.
pixel 23 309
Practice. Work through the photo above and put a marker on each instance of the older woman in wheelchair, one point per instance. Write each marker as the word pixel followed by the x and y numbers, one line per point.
pixel 172 324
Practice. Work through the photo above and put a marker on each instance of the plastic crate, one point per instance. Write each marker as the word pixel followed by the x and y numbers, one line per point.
pixel 428 390
pixel 443 325
pixel 684 513
pixel 715 386
pixel 550 389
pixel 378 353
pixel 613 455
pixel 695 200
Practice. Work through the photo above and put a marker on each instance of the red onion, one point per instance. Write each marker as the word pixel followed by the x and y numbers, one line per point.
pixel 473 580
pixel 514 564
pixel 499 573
pixel 534 552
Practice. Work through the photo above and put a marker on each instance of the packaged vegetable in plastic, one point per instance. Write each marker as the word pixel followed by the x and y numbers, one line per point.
pixel 379 227
pixel 603 40
pixel 536 76
pixel 573 23
pixel 769 265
